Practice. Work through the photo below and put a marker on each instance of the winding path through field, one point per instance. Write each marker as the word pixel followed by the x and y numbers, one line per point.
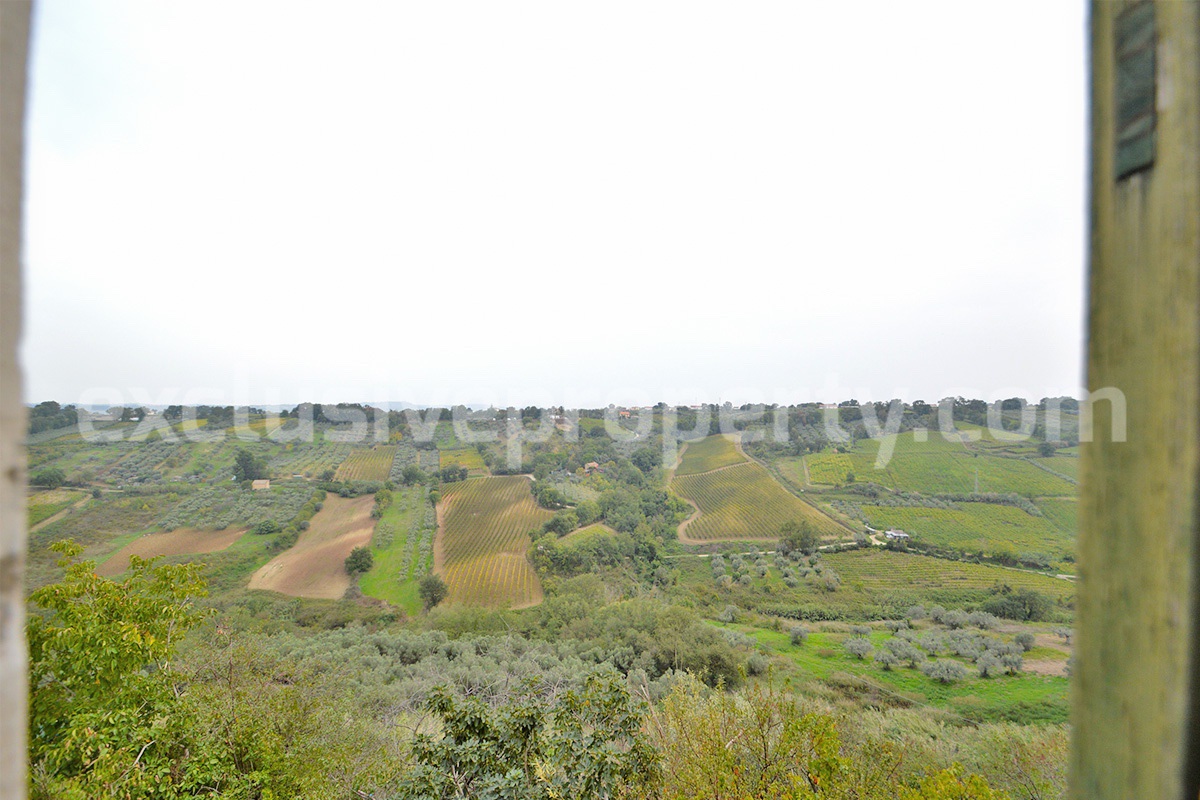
pixel 680 534
pixel 56 517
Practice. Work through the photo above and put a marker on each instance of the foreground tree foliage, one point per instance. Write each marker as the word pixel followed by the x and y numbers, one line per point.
pixel 588 743
pixel 101 680
pixel 112 715
pixel 356 713
pixel 762 743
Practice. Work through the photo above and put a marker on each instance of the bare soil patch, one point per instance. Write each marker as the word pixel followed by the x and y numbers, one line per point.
pixel 179 542
pixel 1046 667
pixel 314 566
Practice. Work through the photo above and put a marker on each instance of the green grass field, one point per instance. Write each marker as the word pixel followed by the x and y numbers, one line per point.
pixel 444 437
pixel 975 527
pixel 400 560
pixel 932 473
pixel 937 465
pixel 1020 476
pixel 587 424
pixel 577 492
pixel 829 467
pixel 708 454
pixel 1067 465
pixel 745 503
pixel 591 533
pixel 483 541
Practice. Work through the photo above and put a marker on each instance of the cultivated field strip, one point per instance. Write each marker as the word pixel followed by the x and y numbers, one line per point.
pixel 483 539
pixel 709 453
pixel 829 467
pixel 467 457
pixel 745 502
pixel 309 459
pixel 1063 514
pixel 367 464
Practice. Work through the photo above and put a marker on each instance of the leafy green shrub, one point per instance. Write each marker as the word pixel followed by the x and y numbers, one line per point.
pixel 562 523
pixel 433 590
pixel 906 652
pixel 1012 662
pixel 359 561
pixel 988 665
pixel 1022 604
pixel 797 538
pixel 51 478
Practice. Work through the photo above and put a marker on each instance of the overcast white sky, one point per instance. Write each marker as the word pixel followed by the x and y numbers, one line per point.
pixel 555 202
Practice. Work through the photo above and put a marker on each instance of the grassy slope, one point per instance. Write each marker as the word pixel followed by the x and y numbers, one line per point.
pixel 981 527
pixel 937 465
pixel 1021 698
pixel 44 505
pixel 874 583
pixel 392 577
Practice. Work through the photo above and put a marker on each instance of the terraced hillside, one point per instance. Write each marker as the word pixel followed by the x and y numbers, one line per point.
pixel 482 540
